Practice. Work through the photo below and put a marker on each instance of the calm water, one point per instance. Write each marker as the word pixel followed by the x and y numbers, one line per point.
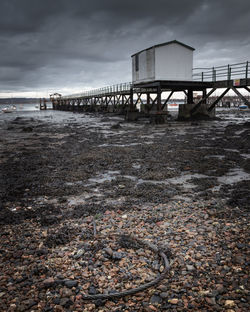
pixel 22 107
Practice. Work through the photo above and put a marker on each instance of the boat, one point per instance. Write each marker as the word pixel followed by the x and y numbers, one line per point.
pixel 9 109
pixel 243 106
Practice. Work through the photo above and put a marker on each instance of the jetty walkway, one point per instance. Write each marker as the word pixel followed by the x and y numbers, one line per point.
pixel 125 98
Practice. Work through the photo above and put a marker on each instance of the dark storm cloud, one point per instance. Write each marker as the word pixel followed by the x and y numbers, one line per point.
pixel 79 44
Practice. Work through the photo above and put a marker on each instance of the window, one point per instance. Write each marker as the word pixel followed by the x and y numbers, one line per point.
pixel 137 62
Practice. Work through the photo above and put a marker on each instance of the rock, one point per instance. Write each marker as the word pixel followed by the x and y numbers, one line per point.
pixel 155 299
pixel 190 267
pixel 198 256
pixel 117 255
pixel 173 301
pixel 116 126
pixel 99 302
pixel 79 254
pixel 56 300
pixel 92 290
pixel 49 282
pixel 70 283
pixel 27 129
pixel 66 302
pixel 220 288
pixel 229 303
pixel 108 251
pixel 164 295
pixel 211 300
pixel 163 288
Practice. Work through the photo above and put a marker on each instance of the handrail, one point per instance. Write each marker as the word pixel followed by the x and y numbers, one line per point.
pixel 230 71
pixel 121 87
pixel 216 73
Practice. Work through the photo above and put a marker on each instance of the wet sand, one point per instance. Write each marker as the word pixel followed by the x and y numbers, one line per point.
pixel 184 184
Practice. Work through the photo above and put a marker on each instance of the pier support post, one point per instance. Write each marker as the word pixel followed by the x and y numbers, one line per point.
pixel 245 101
pixel 132 113
pixel 204 96
pixel 159 98
pixel 190 97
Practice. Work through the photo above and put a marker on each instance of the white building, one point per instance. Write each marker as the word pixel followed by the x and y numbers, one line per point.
pixel 171 60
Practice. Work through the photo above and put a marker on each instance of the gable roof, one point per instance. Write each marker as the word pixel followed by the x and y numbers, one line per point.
pixel 166 43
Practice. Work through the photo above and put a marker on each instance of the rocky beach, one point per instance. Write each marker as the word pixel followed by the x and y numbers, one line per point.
pixel 71 185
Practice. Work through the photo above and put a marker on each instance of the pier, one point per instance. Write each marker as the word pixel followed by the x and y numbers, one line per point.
pixel 125 98
pixel 158 73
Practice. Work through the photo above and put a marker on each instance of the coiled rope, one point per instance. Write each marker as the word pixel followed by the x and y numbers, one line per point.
pixel 134 242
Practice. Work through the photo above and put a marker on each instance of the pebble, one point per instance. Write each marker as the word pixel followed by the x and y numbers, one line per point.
pixel 108 251
pixel 190 267
pixel 164 295
pixel 173 301
pixel 117 255
pixel 229 303
pixel 155 299
pixel 70 283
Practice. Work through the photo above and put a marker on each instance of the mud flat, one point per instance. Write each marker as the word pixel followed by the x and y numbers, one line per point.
pixel 183 186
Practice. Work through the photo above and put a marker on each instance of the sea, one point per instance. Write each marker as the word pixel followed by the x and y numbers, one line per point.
pixel 22 107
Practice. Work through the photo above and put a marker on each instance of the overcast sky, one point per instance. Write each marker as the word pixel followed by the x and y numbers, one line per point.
pixel 72 45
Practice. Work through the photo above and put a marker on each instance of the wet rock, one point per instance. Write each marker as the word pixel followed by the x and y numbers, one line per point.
pixel 65 302
pixel 108 251
pixel 164 295
pixel 155 299
pixel 117 255
pixel 116 126
pixel 27 129
pixel 49 282
pixel 210 300
pixel 229 303
pixel 190 267
pixel 70 283
pixel 173 301
pixel 92 290
pixel 79 254
pixel 49 220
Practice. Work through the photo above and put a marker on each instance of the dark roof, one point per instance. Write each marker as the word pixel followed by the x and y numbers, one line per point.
pixel 166 43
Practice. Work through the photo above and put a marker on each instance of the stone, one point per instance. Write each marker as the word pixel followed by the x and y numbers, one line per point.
pixel 49 282
pixel 229 303
pixel 173 301
pixel 220 288
pixel 70 283
pixel 155 299
pixel 79 254
pixel 210 300
pixel 117 255
pixel 164 295
pixel 190 267
pixel 108 251
pixel 92 290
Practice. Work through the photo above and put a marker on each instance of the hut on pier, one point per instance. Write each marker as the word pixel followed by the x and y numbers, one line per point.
pixel 171 60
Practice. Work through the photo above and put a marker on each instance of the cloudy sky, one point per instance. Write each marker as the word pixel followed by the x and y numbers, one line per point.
pixel 68 46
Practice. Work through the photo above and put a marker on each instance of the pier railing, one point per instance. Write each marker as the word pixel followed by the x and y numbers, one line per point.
pixel 118 88
pixel 219 73
pixel 226 72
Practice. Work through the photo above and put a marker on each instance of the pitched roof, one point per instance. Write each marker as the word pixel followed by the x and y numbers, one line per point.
pixel 166 43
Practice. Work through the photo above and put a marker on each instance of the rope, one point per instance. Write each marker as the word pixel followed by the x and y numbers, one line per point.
pixel 129 240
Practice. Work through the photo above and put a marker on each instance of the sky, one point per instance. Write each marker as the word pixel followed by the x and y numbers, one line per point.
pixel 69 46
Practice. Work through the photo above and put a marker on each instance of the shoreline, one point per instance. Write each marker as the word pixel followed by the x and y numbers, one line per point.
pixel 182 184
